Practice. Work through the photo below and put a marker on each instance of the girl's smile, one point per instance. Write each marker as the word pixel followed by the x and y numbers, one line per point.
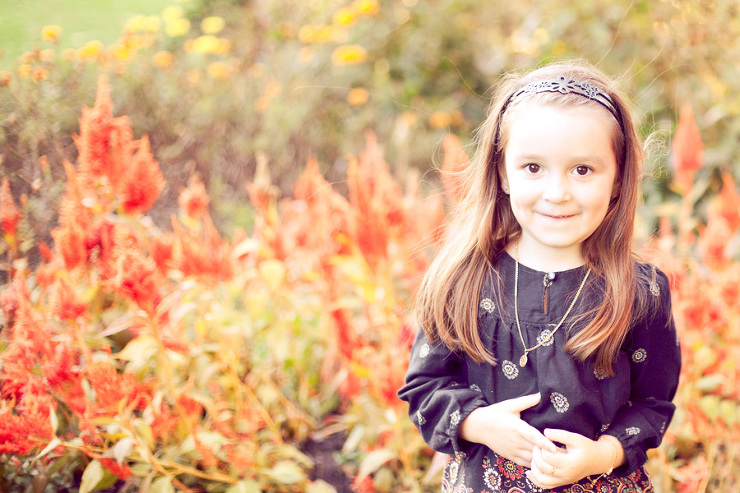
pixel 559 173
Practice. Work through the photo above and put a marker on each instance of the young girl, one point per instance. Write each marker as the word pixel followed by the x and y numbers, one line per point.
pixel 548 357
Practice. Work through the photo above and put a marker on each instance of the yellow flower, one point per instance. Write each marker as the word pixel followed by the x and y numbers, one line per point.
pixel 344 17
pixel 163 59
pixel 24 70
pixel 205 44
pixel 366 7
pixel 46 55
pixel 90 50
pixel 39 73
pixel 176 27
pixel 223 46
pixel 357 96
pixel 172 12
pixel 151 23
pixel 51 34
pixel 212 25
pixel 194 76
pixel 349 55
pixel 135 24
pixel 440 119
pixel 316 34
pixel 218 70
pixel 120 51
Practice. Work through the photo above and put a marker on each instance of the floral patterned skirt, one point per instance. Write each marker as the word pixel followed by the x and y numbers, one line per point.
pixel 496 474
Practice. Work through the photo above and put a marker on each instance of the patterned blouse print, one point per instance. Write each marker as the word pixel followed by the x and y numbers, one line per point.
pixel 634 405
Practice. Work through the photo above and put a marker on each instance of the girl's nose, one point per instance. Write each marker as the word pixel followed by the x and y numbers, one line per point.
pixel 556 190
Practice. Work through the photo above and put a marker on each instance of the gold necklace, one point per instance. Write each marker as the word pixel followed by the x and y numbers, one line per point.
pixel 549 335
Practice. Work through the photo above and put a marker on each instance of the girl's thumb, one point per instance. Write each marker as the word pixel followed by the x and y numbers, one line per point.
pixel 519 404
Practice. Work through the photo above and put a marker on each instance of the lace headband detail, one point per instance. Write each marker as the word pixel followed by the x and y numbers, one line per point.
pixel 566 85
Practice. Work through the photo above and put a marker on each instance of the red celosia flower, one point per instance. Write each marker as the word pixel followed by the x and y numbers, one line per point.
pixel 113 389
pixel 64 302
pixel 74 222
pixel 376 201
pixel 45 251
pixel 9 213
pixel 454 164
pixel 193 200
pixel 142 181
pixel 135 279
pixel 687 149
pixel 61 367
pixel 122 471
pixel 729 202
pixel 318 214
pixel 161 249
pixel 203 255
pixel 26 426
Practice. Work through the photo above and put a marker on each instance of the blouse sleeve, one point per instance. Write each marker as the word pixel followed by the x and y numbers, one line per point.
pixel 438 394
pixel 655 364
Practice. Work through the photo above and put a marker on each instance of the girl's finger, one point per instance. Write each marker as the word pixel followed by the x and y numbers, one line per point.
pixel 541 440
pixel 563 436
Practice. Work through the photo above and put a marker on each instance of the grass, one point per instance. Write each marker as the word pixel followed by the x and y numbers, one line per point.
pixel 81 21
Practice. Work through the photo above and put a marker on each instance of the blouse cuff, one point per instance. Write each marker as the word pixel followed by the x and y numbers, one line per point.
pixel 635 456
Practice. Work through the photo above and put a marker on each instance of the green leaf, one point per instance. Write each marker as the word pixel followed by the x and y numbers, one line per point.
pixel 96 477
pixel 373 461
pixel 162 484
pixel 245 486
pixel 52 445
pixel 141 348
pixel 320 486
pixel 286 472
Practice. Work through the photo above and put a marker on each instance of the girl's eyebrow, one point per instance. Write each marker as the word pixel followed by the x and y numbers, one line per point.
pixel 586 158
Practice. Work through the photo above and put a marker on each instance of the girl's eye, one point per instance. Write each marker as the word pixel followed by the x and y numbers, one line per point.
pixel 582 170
pixel 532 168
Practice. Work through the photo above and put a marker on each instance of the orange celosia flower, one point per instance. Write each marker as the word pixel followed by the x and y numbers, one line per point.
pixel 687 149
pixel 9 213
pixel 143 181
pixel 104 143
pixel 193 200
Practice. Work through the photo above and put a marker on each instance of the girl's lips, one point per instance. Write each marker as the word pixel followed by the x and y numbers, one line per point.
pixel 559 216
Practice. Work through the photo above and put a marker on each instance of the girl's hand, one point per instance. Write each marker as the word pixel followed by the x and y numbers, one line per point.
pixel 499 427
pixel 581 457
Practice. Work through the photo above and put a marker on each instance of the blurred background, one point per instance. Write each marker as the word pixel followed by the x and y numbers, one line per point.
pixel 215 84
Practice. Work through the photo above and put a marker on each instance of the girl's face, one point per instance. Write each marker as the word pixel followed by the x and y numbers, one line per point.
pixel 559 172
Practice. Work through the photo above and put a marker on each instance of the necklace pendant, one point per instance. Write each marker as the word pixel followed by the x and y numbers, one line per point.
pixel 523 360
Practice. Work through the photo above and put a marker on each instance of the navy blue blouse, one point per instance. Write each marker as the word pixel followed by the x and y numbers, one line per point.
pixel 442 387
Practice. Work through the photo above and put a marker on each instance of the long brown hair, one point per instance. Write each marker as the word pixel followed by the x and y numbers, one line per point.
pixel 483 225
